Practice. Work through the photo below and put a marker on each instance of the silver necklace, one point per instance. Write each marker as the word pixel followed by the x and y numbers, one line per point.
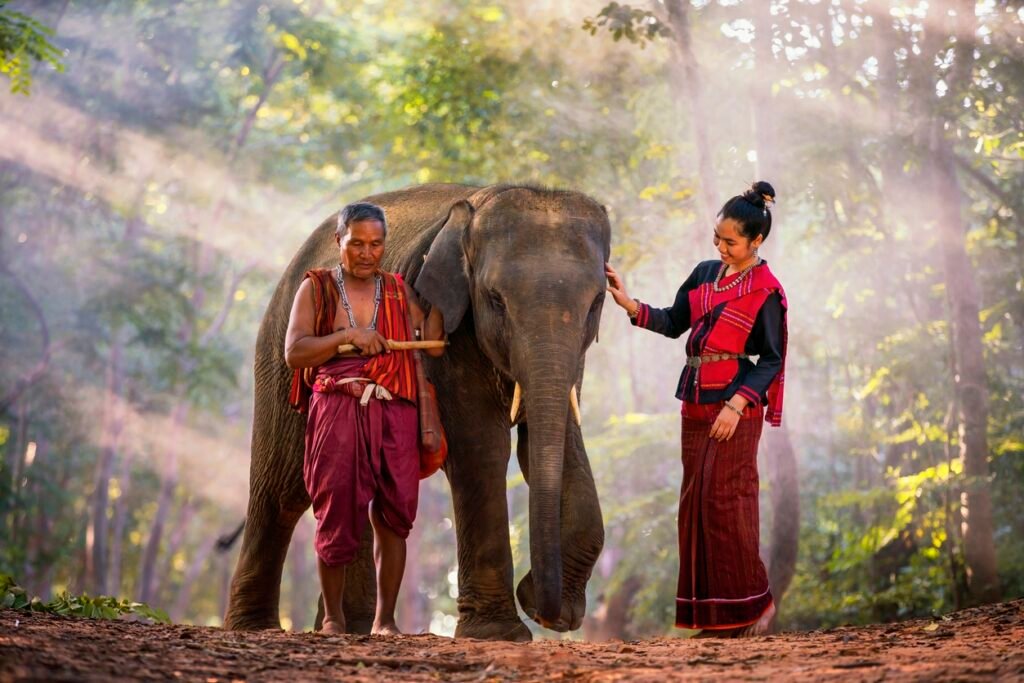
pixel 743 274
pixel 339 278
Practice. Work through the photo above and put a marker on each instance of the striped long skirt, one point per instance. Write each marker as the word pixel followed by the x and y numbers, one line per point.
pixel 722 580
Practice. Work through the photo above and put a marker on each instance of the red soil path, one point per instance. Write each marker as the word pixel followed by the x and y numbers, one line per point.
pixel 978 644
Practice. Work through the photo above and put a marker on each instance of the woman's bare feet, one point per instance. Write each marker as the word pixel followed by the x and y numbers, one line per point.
pixel 715 633
pixel 388 629
pixel 761 626
pixel 333 627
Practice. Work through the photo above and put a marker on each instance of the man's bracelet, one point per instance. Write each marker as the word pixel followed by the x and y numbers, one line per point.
pixel 636 311
pixel 738 411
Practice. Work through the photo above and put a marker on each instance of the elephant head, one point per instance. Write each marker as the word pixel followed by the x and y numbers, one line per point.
pixel 523 269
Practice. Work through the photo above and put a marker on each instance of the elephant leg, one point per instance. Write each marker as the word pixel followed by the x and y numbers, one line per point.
pixel 277 499
pixel 360 599
pixel 476 468
pixel 582 529
pixel 256 585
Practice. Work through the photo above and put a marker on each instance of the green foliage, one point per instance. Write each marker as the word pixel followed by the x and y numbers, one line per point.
pixel 622 21
pixel 13 596
pixel 23 40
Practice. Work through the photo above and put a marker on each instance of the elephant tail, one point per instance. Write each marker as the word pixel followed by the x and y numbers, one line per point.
pixel 227 541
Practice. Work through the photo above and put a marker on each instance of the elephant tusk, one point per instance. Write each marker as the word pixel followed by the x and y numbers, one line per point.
pixel 574 402
pixel 517 396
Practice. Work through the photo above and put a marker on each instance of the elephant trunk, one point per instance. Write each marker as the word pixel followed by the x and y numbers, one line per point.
pixel 547 383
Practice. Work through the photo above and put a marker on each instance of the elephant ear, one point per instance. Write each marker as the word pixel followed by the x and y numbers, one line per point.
pixel 443 280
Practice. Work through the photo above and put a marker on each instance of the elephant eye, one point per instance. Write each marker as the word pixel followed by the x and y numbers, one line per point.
pixel 496 300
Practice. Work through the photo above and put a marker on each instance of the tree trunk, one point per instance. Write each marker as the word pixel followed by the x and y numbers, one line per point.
pixel 610 620
pixel 180 608
pixel 120 521
pixel 168 482
pixel 764 113
pixel 179 531
pixel 688 93
pixel 17 457
pixel 113 425
pixel 970 384
pixel 784 492
pixel 37 526
pixel 969 380
pixel 150 555
pixel 225 561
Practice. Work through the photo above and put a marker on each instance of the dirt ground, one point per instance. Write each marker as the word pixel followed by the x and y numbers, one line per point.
pixel 978 644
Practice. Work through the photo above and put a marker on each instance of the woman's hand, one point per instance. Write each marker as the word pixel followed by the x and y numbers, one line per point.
pixel 618 289
pixel 725 424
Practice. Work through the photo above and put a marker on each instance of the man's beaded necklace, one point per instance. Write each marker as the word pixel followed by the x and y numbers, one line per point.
pixel 743 274
pixel 339 278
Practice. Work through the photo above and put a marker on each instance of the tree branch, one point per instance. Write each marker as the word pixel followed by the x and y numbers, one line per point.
pixel 987 183
pixel 229 302
pixel 275 65
pixel 32 375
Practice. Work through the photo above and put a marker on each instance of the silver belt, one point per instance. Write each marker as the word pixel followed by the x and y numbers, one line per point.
pixel 697 361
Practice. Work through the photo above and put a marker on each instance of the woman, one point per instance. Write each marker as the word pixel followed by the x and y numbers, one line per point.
pixel 735 310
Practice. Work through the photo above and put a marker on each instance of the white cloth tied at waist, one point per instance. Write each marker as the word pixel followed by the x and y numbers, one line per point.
pixel 372 390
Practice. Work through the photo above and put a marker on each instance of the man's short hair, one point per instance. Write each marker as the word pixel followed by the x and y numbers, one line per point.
pixel 360 211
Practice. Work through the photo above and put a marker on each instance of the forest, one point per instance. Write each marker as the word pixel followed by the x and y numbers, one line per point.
pixel 161 162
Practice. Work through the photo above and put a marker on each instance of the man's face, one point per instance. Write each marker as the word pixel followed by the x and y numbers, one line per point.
pixel 362 248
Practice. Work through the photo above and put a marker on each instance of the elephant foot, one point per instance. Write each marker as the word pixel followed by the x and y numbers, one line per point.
pixel 359 627
pixel 512 630
pixel 236 621
pixel 573 609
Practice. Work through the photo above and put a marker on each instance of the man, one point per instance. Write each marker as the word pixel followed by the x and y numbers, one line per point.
pixel 362 437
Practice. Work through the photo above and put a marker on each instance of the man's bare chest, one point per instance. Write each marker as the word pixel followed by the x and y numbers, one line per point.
pixel 361 301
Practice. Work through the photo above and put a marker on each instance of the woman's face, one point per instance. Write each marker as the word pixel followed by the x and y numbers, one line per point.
pixel 733 247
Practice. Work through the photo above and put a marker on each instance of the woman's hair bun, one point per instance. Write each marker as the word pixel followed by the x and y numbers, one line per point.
pixel 750 209
pixel 760 193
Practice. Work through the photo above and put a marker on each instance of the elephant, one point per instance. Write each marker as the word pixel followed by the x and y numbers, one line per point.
pixel 518 273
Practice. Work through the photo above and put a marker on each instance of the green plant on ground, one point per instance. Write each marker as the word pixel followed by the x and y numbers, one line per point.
pixel 100 607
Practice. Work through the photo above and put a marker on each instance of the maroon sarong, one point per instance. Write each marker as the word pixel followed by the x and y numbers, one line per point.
pixel 722 581
pixel 355 454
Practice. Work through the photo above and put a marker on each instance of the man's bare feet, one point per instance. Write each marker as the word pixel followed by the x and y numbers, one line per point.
pixel 333 627
pixel 761 626
pixel 388 629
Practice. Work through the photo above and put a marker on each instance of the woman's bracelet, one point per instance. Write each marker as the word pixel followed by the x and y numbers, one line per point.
pixel 636 311
pixel 738 411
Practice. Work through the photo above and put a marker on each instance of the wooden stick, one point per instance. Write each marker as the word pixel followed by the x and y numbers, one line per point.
pixel 400 345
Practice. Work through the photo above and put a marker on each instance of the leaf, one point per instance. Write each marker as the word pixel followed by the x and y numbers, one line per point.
pixel 292 43
pixel 873 384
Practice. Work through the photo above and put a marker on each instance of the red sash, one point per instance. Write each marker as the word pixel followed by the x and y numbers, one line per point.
pixel 394 371
pixel 732 329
